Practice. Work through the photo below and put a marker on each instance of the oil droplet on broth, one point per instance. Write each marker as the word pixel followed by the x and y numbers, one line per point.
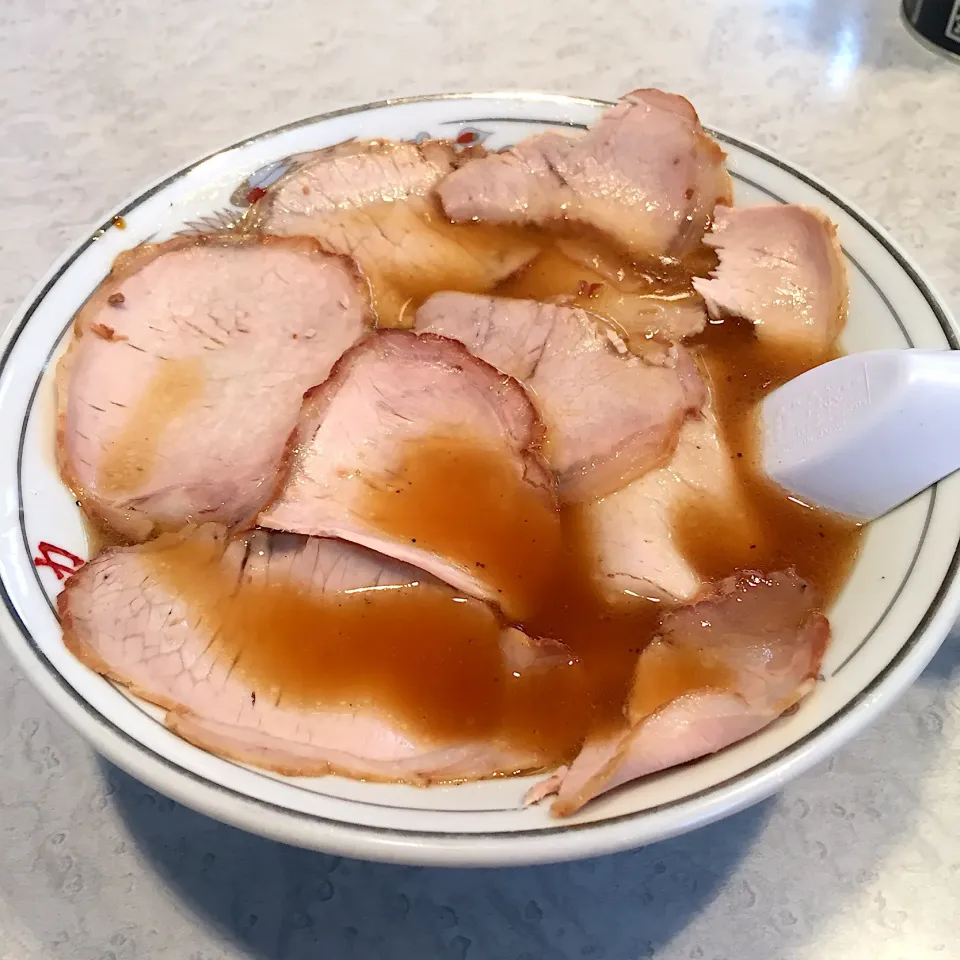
pixel 605 638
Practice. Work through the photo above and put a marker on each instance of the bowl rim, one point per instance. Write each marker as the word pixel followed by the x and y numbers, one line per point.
pixel 516 847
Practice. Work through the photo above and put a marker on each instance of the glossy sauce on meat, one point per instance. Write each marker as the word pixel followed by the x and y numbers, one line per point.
pixel 432 662
pixel 462 500
pixel 457 253
pixel 174 389
pixel 549 564
pixel 424 657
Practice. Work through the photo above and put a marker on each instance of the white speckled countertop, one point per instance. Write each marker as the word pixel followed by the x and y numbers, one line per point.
pixel 858 859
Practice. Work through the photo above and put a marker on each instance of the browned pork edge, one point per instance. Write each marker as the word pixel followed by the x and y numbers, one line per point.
pixel 86 654
pixel 125 265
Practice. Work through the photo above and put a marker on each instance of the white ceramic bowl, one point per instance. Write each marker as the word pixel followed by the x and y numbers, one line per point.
pixel 900 602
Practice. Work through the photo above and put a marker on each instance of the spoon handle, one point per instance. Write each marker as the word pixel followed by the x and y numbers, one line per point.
pixel 862 434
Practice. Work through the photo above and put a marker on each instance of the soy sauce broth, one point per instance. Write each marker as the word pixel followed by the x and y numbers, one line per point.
pixel 438 672
pixel 427 659
pixel 821 546
pixel 464 500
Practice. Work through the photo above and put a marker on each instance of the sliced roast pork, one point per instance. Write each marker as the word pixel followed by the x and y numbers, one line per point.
pixel 375 201
pixel 646 175
pixel 256 647
pixel 416 448
pixel 782 268
pixel 610 416
pixel 187 372
pixel 632 530
pixel 719 671
pixel 359 172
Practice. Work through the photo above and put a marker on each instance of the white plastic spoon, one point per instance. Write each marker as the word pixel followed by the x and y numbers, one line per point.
pixel 862 434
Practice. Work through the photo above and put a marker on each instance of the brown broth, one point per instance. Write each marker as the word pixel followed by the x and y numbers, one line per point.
pixel 820 545
pixel 421 656
pixel 100 535
pixel 565 272
pixel 466 501
pixel 438 254
pixel 667 672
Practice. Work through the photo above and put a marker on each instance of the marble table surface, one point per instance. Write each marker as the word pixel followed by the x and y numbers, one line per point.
pixel 860 858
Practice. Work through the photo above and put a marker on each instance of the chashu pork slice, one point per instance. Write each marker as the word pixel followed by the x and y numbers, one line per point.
pixel 187 371
pixel 417 449
pixel 645 174
pixel 610 416
pixel 375 201
pixel 781 267
pixel 251 645
pixel 719 671
pixel 632 530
